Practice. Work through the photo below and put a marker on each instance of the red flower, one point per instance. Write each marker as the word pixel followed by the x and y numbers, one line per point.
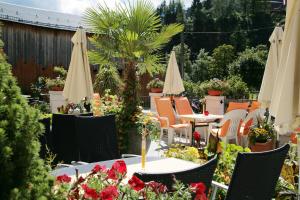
pixel 197 136
pixel 89 192
pixel 199 189
pixel 157 187
pixel 97 168
pixel 119 167
pixel 63 179
pixel 109 193
pixel 80 180
pixel 136 183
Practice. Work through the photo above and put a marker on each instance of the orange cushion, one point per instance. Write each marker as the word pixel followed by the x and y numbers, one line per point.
pixel 221 131
pixel 183 106
pixel 236 105
pixel 164 109
pixel 245 130
pixel 254 105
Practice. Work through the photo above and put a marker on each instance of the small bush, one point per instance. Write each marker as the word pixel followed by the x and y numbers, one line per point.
pixel 108 79
pixel 193 90
pixel 237 88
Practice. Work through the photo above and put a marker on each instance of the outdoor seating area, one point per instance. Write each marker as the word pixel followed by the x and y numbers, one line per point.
pixel 176 100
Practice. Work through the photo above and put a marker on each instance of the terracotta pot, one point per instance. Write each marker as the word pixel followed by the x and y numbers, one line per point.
pixel 57 88
pixel 156 90
pixel 258 147
pixel 214 92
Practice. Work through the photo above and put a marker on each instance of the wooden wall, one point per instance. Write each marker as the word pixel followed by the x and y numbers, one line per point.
pixel 33 51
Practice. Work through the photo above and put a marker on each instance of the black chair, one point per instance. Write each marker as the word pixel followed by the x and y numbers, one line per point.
pixel 255 175
pixel 203 173
pixel 65 142
pixel 46 137
pixel 97 138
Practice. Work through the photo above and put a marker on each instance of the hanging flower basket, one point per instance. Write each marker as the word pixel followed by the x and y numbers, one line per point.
pixel 215 92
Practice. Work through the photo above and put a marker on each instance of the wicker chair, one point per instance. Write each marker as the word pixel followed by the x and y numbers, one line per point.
pixel 202 173
pixel 255 175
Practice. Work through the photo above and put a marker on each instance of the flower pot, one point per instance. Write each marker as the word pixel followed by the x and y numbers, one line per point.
pixel 214 92
pixel 258 147
pixel 56 88
pixel 156 90
pixel 135 141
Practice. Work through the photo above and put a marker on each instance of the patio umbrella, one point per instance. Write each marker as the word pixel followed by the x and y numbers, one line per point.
pixel 79 82
pixel 271 68
pixel 173 83
pixel 285 105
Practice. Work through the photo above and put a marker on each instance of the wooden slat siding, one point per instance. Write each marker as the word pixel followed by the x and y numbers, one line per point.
pixel 33 50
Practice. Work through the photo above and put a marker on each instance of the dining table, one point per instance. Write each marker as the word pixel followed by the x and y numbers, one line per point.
pixel 200 118
pixel 154 165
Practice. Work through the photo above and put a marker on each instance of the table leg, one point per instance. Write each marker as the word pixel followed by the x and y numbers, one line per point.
pixel 193 130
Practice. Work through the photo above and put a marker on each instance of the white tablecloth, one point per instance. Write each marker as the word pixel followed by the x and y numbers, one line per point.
pixel 153 165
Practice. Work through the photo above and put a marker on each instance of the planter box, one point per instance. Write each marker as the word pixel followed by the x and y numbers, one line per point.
pixel 56 100
pixel 152 101
pixel 215 104
pixel 259 147
pixel 156 90
pixel 215 92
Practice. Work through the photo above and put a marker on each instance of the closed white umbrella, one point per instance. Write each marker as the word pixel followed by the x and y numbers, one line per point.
pixel 173 83
pixel 79 82
pixel 271 69
pixel 285 105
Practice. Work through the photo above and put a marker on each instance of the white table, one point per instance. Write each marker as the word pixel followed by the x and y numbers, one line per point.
pixel 194 118
pixel 201 117
pixel 154 165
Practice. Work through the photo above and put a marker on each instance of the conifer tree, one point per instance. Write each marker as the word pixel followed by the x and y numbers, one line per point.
pixel 23 174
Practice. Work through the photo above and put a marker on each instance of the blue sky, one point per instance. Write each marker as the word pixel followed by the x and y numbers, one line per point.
pixel 73 6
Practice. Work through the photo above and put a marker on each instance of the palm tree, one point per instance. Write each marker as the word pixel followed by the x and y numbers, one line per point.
pixel 131 36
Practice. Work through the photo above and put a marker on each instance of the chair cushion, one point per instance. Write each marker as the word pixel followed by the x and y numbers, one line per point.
pixel 237 105
pixel 164 109
pixel 254 105
pixel 183 106
pixel 179 126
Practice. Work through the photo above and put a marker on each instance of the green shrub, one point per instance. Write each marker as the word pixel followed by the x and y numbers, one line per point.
pixel 201 66
pixel 108 79
pixel 237 88
pixel 193 90
pixel 23 174
pixel 223 55
pixel 250 66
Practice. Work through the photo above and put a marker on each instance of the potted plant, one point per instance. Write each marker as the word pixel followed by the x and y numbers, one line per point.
pixel 55 87
pixel 261 138
pixel 156 85
pixel 56 84
pixel 215 87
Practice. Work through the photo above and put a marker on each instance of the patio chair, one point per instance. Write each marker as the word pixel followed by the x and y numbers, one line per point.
pixel 254 105
pixel 167 119
pixel 183 107
pixel 237 106
pixel 203 173
pixel 255 175
pixel 229 126
pixel 250 121
pixel 45 138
